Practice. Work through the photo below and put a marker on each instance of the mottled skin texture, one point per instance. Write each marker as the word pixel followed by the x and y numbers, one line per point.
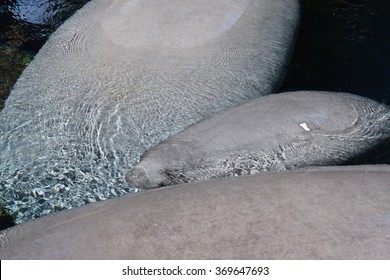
pixel 119 77
pixel 331 213
pixel 274 133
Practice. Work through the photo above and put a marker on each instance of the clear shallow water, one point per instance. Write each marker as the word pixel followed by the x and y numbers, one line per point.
pixel 342 46
pixel 25 26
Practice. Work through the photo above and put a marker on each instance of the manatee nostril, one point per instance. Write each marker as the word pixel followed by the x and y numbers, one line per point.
pixel 137 177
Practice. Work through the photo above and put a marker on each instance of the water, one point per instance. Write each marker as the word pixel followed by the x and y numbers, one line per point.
pixel 25 26
pixel 342 46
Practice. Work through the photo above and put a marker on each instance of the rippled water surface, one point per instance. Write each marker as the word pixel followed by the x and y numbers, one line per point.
pixel 343 45
pixel 101 92
pixel 25 26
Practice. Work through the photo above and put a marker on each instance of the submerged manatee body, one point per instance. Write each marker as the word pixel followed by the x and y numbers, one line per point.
pixel 323 213
pixel 277 132
pixel 119 77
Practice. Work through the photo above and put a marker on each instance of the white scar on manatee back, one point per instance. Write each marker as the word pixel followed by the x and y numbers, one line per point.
pixel 304 126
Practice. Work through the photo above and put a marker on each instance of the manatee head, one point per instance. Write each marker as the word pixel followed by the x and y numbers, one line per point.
pixel 139 177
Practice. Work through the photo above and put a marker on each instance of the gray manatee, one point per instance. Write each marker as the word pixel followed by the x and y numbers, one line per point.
pixel 277 132
pixel 122 75
pixel 322 213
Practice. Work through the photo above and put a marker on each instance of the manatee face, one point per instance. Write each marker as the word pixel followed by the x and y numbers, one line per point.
pixel 121 76
pixel 273 133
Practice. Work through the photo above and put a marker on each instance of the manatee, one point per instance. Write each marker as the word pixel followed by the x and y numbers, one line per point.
pixel 322 213
pixel 119 77
pixel 277 132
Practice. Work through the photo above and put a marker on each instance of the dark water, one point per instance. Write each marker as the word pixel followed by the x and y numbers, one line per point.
pixel 343 45
pixel 25 26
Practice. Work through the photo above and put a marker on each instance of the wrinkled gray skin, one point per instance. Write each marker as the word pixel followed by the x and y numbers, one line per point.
pixel 323 213
pixel 274 133
pixel 119 77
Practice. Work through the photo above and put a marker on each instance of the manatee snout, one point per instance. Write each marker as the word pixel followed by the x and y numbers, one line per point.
pixel 145 177
pixel 137 177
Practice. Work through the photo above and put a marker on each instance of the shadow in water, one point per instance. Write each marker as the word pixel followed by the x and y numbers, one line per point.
pixel 343 45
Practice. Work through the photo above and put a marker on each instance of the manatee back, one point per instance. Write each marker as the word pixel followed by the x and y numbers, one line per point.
pixel 120 76
pixel 336 213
